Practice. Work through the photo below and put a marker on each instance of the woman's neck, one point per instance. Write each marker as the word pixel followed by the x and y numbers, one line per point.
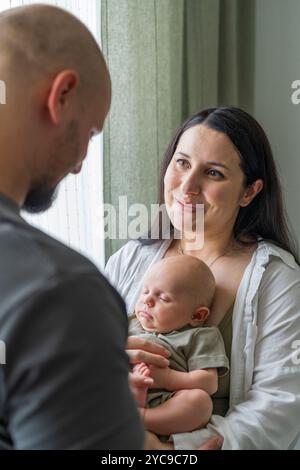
pixel 216 245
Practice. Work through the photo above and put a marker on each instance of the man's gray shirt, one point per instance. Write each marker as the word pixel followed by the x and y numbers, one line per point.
pixel 65 381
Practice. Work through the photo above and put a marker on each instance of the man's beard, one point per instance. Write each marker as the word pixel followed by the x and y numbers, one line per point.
pixel 39 200
pixel 41 197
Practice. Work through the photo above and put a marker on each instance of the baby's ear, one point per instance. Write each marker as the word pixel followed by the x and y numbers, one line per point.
pixel 199 316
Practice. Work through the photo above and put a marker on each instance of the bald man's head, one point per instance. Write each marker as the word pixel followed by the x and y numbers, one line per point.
pixel 58 96
pixel 41 40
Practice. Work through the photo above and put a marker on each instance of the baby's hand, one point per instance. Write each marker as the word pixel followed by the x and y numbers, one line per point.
pixel 141 369
pixel 140 381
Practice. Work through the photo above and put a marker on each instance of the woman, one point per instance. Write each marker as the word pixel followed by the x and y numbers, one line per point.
pixel 221 158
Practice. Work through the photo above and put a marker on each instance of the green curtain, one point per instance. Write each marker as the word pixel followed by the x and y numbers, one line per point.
pixel 167 59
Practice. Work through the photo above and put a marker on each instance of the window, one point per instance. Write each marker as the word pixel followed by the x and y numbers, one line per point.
pixel 75 217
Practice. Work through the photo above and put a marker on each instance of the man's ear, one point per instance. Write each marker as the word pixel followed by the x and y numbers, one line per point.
pixel 61 92
pixel 199 316
pixel 251 191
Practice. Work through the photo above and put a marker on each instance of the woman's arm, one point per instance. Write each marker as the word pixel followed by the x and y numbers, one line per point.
pixel 269 415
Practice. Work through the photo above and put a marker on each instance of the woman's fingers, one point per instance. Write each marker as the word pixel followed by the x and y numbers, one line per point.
pixel 149 346
pixel 138 355
pixel 213 443
pixel 140 350
pixel 153 443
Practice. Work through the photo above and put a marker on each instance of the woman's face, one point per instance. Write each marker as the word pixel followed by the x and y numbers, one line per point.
pixel 205 169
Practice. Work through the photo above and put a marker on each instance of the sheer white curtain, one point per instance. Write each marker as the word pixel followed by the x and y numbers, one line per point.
pixel 75 217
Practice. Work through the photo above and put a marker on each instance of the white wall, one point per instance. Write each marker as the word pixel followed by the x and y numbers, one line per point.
pixel 277 65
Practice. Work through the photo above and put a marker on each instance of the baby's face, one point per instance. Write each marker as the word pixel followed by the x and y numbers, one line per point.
pixel 165 304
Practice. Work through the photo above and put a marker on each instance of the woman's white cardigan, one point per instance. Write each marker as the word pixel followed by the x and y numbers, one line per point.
pixel 265 356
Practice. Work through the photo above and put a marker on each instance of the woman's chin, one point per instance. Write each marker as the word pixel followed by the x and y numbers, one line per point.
pixel 187 222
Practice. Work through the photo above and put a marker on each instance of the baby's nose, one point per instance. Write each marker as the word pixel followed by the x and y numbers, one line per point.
pixel 149 302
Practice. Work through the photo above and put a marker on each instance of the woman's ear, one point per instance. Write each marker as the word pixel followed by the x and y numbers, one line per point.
pixel 199 316
pixel 251 191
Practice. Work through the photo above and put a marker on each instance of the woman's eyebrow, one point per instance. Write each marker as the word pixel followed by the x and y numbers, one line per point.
pixel 183 154
pixel 211 162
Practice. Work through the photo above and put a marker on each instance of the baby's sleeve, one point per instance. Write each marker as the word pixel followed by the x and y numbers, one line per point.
pixel 207 350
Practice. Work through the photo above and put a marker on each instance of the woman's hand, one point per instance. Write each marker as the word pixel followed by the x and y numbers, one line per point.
pixel 213 443
pixel 153 443
pixel 141 350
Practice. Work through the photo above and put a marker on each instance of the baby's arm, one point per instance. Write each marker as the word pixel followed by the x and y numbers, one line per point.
pixel 173 380
pixel 189 408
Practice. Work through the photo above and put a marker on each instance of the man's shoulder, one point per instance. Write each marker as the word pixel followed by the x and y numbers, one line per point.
pixel 26 247
pixel 31 261
pixel 38 271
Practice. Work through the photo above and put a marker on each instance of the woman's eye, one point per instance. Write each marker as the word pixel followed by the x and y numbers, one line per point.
pixel 215 173
pixel 163 299
pixel 182 163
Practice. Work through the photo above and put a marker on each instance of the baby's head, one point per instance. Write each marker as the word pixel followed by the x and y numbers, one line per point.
pixel 177 292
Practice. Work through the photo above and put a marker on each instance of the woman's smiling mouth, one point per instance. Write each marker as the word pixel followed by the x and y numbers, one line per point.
pixel 188 207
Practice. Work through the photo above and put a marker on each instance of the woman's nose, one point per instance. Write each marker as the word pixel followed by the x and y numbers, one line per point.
pixel 191 184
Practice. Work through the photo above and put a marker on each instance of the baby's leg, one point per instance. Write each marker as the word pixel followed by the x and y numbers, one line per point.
pixel 185 411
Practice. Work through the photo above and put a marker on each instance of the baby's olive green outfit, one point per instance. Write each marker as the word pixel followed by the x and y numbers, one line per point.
pixel 191 349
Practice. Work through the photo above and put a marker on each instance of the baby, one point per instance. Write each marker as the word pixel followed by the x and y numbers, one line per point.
pixel 171 310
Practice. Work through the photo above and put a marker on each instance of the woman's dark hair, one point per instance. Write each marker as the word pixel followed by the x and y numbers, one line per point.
pixel 265 216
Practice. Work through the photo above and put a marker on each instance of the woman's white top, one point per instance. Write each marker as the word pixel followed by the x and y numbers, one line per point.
pixel 264 408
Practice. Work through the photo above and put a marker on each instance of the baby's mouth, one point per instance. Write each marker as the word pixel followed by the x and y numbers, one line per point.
pixel 145 315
